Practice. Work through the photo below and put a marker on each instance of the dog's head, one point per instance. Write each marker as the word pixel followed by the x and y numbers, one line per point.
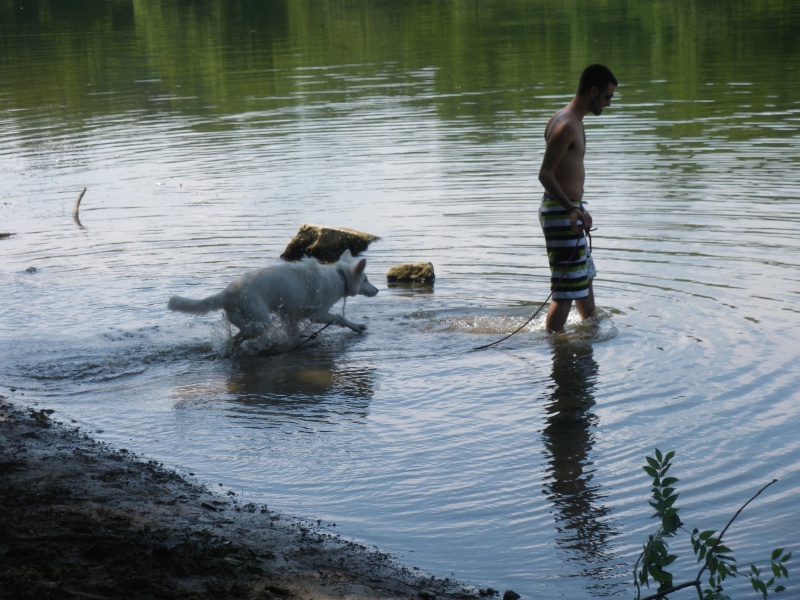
pixel 357 282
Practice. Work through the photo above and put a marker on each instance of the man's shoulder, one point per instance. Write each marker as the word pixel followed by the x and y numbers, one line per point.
pixel 563 123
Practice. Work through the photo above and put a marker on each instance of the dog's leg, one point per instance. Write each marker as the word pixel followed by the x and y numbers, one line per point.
pixel 247 326
pixel 341 321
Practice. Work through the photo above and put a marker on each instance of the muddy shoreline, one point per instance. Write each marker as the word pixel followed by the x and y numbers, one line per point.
pixel 81 519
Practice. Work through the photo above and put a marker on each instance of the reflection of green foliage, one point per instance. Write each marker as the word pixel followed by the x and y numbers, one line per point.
pixel 217 56
pixel 716 558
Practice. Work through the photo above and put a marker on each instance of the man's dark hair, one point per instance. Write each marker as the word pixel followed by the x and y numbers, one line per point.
pixel 598 76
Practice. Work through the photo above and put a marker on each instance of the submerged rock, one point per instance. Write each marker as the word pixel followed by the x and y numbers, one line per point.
pixel 326 243
pixel 418 273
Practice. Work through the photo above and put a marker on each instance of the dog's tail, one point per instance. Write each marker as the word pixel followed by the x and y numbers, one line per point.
pixel 197 307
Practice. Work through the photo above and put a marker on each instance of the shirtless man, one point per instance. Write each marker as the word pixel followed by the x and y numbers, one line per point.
pixel 562 213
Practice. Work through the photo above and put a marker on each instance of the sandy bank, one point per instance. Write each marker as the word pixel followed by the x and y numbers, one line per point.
pixel 80 519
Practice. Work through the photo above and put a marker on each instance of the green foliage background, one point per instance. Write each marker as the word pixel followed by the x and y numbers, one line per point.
pixel 222 53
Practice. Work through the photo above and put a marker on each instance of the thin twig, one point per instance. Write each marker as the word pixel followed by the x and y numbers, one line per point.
pixel 635 574
pixel 733 518
pixel 674 589
pixel 696 582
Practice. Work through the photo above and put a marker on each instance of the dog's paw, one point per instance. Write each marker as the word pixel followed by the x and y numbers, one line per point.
pixel 359 327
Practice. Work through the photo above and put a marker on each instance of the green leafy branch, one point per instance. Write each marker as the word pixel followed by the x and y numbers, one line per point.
pixel 655 556
pixel 715 557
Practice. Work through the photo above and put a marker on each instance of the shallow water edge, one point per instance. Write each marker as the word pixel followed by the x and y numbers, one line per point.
pixel 128 525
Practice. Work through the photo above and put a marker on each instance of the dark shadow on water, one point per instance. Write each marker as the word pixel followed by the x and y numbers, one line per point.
pixel 302 376
pixel 278 383
pixel 312 390
pixel 581 519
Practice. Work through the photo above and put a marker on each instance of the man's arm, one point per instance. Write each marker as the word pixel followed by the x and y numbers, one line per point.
pixel 563 134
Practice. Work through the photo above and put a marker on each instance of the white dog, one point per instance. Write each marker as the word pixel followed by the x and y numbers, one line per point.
pixel 300 290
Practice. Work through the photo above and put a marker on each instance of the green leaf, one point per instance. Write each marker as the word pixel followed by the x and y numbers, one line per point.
pixel 707 534
pixel 669 456
pixel 650 471
pixel 658 455
pixel 776 553
pixel 655 573
pixel 671 500
pixel 670 521
pixel 786 557
pixel 670 481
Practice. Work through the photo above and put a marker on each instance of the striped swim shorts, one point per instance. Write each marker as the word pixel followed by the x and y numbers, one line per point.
pixel 571 265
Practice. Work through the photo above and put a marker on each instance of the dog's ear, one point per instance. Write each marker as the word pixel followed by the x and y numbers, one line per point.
pixel 359 268
pixel 346 255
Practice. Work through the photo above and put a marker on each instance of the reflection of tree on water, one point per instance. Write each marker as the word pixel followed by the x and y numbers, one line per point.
pixel 568 438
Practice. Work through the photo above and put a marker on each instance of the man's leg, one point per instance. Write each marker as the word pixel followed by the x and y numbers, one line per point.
pixel 586 306
pixel 557 315
pixel 558 312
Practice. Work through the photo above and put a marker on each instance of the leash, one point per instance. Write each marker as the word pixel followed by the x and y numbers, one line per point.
pixel 550 295
pixel 312 336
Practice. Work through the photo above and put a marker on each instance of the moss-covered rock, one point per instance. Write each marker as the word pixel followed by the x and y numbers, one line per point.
pixel 326 243
pixel 415 273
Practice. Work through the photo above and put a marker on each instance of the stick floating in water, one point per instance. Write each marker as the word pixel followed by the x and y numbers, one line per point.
pixel 76 208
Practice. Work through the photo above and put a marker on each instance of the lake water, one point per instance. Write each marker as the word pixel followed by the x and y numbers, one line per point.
pixel 207 133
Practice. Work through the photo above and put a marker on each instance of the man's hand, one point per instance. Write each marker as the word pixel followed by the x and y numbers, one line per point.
pixel 580 221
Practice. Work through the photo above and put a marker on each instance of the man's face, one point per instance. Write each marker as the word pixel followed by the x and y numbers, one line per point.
pixel 602 98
